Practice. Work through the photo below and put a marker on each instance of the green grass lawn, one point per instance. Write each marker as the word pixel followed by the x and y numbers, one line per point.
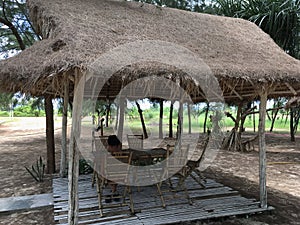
pixel 151 118
pixel 152 124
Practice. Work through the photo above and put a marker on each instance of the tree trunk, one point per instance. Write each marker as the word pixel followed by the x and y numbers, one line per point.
pixel 50 135
pixel 161 114
pixel 244 116
pixel 274 115
pixel 107 113
pixel 71 106
pixel 101 127
pixel 296 119
pixel 286 117
pixel 14 30
pixel 233 140
pixel 238 116
pixel 292 132
pixel 142 120
pixel 180 121
pixel 171 120
pixel 254 125
pixel 269 117
pixel 205 118
pixel 242 124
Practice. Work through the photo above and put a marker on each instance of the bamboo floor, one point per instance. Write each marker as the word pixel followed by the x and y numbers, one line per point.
pixel 213 201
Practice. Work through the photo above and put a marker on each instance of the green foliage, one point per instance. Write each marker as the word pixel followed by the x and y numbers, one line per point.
pixel 37 104
pixel 132 112
pixel 179 4
pixel 198 109
pixel 231 8
pixel 197 122
pixel 84 167
pixel 37 170
pixel 27 111
pixel 5 101
pixel 23 106
pixel 149 115
pixel 18 33
pixel 203 6
pixel 190 5
pixel 4 113
pixel 279 18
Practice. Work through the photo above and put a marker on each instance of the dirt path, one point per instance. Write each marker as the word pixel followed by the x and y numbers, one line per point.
pixel 240 171
pixel 22 142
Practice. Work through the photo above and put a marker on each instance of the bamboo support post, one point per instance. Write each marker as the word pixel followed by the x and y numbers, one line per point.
pixel 262 149
pixel 63 158
pixel 73 171
pixel 121 118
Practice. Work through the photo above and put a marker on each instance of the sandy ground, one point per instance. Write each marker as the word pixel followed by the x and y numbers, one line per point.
pixel 22 142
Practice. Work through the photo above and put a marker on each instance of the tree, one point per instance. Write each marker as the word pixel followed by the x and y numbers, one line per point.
pixel 279 18
pixel 277 106
pixel 198 109
pixel 6 101
pixel 140 111
pixel 294 121
pixel 38 104
pixel 16 31
pixel 16 34
pixel 179 4
pixel 189 5
pixel 158 104
pixel 171 120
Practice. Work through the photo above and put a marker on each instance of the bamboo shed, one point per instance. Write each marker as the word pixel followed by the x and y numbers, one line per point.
pixel 94 35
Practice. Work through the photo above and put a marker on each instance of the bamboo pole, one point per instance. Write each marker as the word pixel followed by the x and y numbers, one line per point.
pixel 253 118
pixel 73 172
pixel 171 120
pixel 262 149
pixel 121 118
pixel 189 118
pixel 63 156
pixel 161 113
pixel 117 117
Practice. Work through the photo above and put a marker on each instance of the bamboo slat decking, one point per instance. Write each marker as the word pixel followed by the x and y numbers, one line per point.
pixel 215 201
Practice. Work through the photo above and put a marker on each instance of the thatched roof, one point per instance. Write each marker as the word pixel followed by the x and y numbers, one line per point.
pixel 76 33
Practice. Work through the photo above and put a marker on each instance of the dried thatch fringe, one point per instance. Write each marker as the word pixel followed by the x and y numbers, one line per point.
pixel 76 33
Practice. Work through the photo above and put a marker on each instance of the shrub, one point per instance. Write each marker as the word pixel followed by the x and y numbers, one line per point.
pixel 4 113
pixel 84 167
pixel 37 170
